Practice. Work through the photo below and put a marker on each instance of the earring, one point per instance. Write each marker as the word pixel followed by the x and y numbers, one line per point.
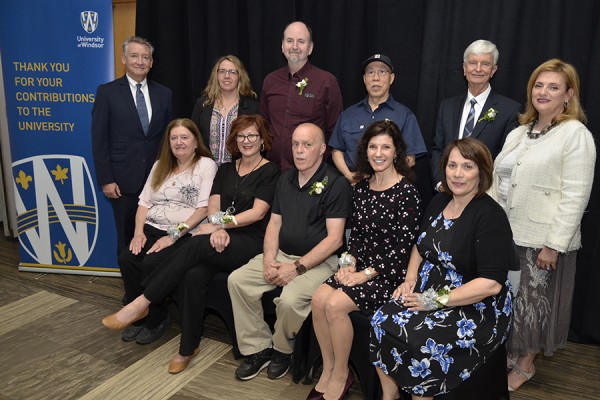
pixel 567 104
pixel 262 147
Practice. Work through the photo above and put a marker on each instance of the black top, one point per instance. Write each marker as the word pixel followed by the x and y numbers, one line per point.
pixel 303 215
pixel 481 243
pixel 259 183
pixel 201 115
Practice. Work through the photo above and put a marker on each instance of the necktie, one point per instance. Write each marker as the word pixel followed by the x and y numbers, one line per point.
pixel 470 124
pixel 141 108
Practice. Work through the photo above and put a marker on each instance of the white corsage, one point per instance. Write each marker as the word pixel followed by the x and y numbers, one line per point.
pixel 317 187
pixel 489 115
pixel 222 218
pixel 301 85
pixel 174 231
pixel 346 260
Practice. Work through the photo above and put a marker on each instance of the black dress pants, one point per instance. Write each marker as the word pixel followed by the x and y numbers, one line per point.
pixel 187 275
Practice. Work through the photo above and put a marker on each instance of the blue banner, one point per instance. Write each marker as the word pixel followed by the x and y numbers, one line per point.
pixel 54 56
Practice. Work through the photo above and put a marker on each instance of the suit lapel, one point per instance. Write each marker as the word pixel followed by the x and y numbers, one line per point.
pixel 457 116
pixel 126 92
pixel 489 103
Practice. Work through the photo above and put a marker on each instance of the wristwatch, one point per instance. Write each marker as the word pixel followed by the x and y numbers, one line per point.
pixel 300 269
pixel 368 273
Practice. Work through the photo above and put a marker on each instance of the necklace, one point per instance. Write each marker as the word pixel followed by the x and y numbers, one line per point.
pixel 535 135
pixel 231 209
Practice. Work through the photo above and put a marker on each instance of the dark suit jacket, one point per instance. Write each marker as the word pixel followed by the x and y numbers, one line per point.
pixel 492 133
pixel 201 115
pixel 122 153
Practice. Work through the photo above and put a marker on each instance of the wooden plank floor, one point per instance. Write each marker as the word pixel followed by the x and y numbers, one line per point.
pixel 52 346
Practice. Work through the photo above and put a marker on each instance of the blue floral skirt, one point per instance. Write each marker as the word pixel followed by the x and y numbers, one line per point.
pixel 432 352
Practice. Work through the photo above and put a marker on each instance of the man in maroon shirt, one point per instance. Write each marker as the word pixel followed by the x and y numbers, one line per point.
pixel 298 93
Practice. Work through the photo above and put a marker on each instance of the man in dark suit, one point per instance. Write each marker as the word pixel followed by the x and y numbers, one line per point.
pixel 128 122
pixel 480 113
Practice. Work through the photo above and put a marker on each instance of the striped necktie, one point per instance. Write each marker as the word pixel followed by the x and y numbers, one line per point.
pixel 140 104
pixel 470 124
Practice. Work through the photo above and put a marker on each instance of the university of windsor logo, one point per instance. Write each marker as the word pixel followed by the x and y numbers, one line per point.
pixel 57 209
pixel 89 21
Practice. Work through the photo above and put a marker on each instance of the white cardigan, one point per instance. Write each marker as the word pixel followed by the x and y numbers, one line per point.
pixel 550 186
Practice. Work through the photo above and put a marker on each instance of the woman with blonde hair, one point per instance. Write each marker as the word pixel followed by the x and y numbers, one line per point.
pixel 228 94
pixel 542 178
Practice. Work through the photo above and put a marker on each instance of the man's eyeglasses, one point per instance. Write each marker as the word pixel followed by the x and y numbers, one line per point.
pixel 223 72
pixel 251 137
pixel 380 72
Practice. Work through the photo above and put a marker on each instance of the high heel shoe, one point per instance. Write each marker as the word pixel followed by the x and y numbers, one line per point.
pixel 349 382
pixel 314 394
pixel 176 367
pixel 527 375
pixel 111 322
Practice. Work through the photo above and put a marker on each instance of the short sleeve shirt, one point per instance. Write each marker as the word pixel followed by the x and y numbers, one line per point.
pixel 304 215
pixel 355 120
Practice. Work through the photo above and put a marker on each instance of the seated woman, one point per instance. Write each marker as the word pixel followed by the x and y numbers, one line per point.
pixel 385 222
pixel 175 195
pixel 238 210
pixel 228 94
pixel 453 310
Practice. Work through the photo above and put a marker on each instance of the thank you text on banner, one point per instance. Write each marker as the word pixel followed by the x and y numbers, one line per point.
pixel 54 56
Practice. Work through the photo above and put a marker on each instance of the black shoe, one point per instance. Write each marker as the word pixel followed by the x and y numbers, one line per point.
pixel 279 366
pixel 148 336
pixel 131 333
pixel 253 364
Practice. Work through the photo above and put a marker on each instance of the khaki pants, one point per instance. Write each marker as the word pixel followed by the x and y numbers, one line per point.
pixel 246 286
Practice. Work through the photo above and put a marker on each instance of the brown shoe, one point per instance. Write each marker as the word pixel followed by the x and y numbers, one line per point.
pixel 176 367
pixel 111 322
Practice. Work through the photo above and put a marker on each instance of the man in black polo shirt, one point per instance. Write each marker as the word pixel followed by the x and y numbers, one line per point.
pixel 302 240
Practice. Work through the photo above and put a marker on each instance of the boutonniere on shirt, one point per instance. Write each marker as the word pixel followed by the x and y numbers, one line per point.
pixel 317 187
pixel 489 115
pixel 301 85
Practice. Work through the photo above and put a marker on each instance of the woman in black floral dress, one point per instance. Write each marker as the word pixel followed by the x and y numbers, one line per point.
pixel 453 310
pixel 385 221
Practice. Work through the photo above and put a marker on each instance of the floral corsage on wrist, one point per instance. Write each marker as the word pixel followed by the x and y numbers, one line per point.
pixel 174 231
pixel 489 115
pixel 346 260
pixel 318 187
pixel 301 85
pixel 433 300
pixel 222 218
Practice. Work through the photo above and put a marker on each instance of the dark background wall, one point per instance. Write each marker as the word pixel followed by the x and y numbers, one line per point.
pixel 425 39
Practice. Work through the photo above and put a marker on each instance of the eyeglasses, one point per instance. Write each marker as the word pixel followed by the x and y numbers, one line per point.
pixel 251 137
pixel 223 72
pixel 380 72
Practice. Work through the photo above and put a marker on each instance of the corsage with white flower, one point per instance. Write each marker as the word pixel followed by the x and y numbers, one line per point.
pixel 174 231
pixel 301 85
pixel 489 115
pixel 433 300
pixel 346 260
pixel 221 218
pixel 317 187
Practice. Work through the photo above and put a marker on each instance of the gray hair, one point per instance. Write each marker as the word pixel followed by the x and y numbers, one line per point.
pixel 482 47
pixel 138 40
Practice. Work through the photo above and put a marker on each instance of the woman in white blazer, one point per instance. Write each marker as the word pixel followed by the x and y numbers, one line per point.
pixel 542 178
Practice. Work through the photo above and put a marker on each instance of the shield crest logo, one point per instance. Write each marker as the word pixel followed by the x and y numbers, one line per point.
pixel 57 209
pixel 89 21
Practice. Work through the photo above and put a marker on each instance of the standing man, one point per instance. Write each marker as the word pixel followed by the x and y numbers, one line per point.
pixel 480 113
pixel 302 240
pixel 298 93
pixel 378 76
pixel 129 118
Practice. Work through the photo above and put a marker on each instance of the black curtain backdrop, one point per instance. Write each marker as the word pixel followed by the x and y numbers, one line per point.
pixel 425 40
